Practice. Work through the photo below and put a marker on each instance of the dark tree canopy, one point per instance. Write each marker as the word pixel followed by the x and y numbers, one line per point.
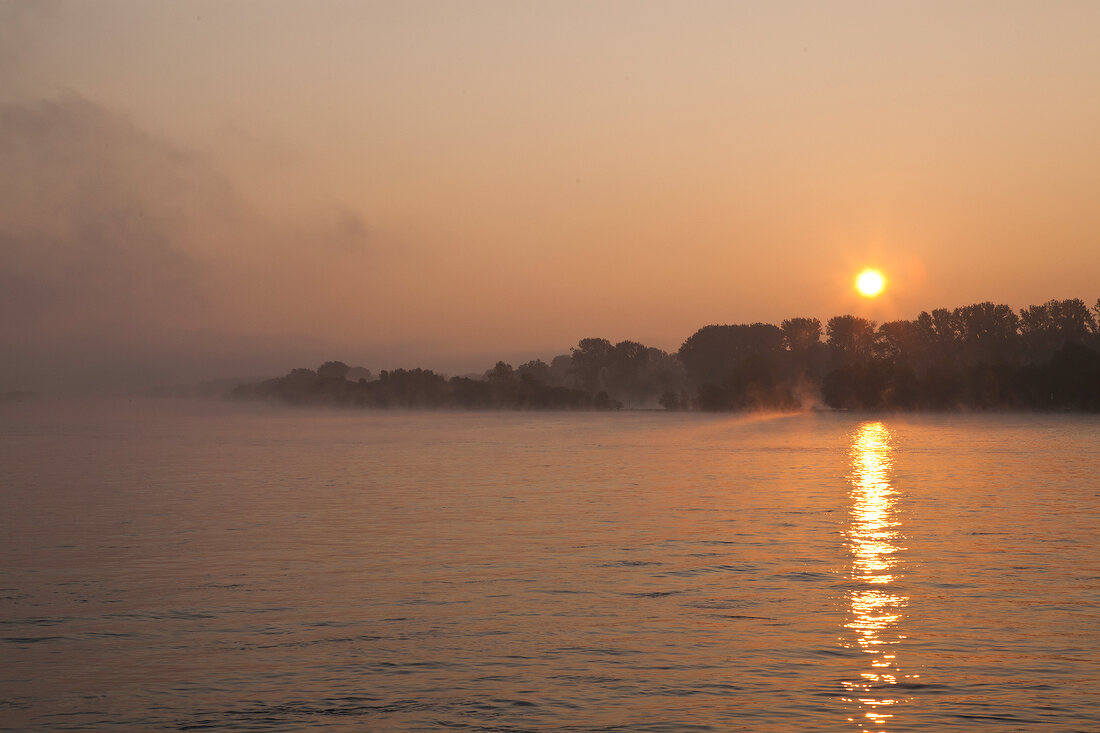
pixel 979 356
pixel 850 339
pixel 801 335
pixel 713 352
pixel 333 370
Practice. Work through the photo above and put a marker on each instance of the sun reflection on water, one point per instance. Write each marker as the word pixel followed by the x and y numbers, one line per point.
pixel 875 607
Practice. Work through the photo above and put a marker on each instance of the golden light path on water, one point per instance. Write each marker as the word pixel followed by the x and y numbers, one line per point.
pixel 875 607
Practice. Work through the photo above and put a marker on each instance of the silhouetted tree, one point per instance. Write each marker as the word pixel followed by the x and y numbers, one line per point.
pixel 858 384
pixel 591 360
pixel 802 339
pixel 500 373
pixel 1074 377
pixel 628 371
pixel 979 356
pixel 938 336
pixel 898 341
pixel 333 370
pixel 663 373
pixel 358 373
pixel 561 367
pixel 626 368
pixel 503 385
pixel 538 369
pixel 987 333
pixel 409 388
pixel 801 335
pixel 850 339
pixel 469 393
pixel 1046 328
pixel 713 398
pixel 755 384
pixel 711 353
pixel 638 374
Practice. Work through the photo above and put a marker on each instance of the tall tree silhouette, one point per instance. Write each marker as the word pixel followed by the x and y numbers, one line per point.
pixel 851 339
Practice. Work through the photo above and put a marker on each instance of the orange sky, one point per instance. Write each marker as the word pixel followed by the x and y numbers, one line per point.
pixel 254 186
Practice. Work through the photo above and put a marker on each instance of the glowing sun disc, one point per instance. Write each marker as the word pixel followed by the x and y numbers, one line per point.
pixel 870 283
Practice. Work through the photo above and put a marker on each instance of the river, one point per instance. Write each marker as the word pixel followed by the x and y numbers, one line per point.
pixel 209 566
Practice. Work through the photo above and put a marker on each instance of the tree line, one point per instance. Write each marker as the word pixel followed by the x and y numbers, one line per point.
pixel 981 356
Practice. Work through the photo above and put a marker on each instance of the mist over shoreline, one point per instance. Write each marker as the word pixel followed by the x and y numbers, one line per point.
pixel 983 356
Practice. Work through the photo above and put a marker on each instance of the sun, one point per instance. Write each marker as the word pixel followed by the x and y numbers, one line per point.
pixel 870 283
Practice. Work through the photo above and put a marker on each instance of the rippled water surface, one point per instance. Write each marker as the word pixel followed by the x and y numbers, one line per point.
pixel 213 567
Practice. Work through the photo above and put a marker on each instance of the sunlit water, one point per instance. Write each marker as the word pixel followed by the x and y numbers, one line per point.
pixel 215 567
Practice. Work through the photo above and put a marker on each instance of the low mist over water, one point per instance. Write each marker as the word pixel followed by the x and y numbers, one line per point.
pixel 213 566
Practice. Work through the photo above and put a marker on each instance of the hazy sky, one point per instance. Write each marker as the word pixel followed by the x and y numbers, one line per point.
pixel 196 189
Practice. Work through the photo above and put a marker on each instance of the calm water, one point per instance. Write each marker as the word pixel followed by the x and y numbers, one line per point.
pixel 213 567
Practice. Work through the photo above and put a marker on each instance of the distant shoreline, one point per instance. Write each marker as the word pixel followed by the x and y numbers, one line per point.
pixel 982 357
